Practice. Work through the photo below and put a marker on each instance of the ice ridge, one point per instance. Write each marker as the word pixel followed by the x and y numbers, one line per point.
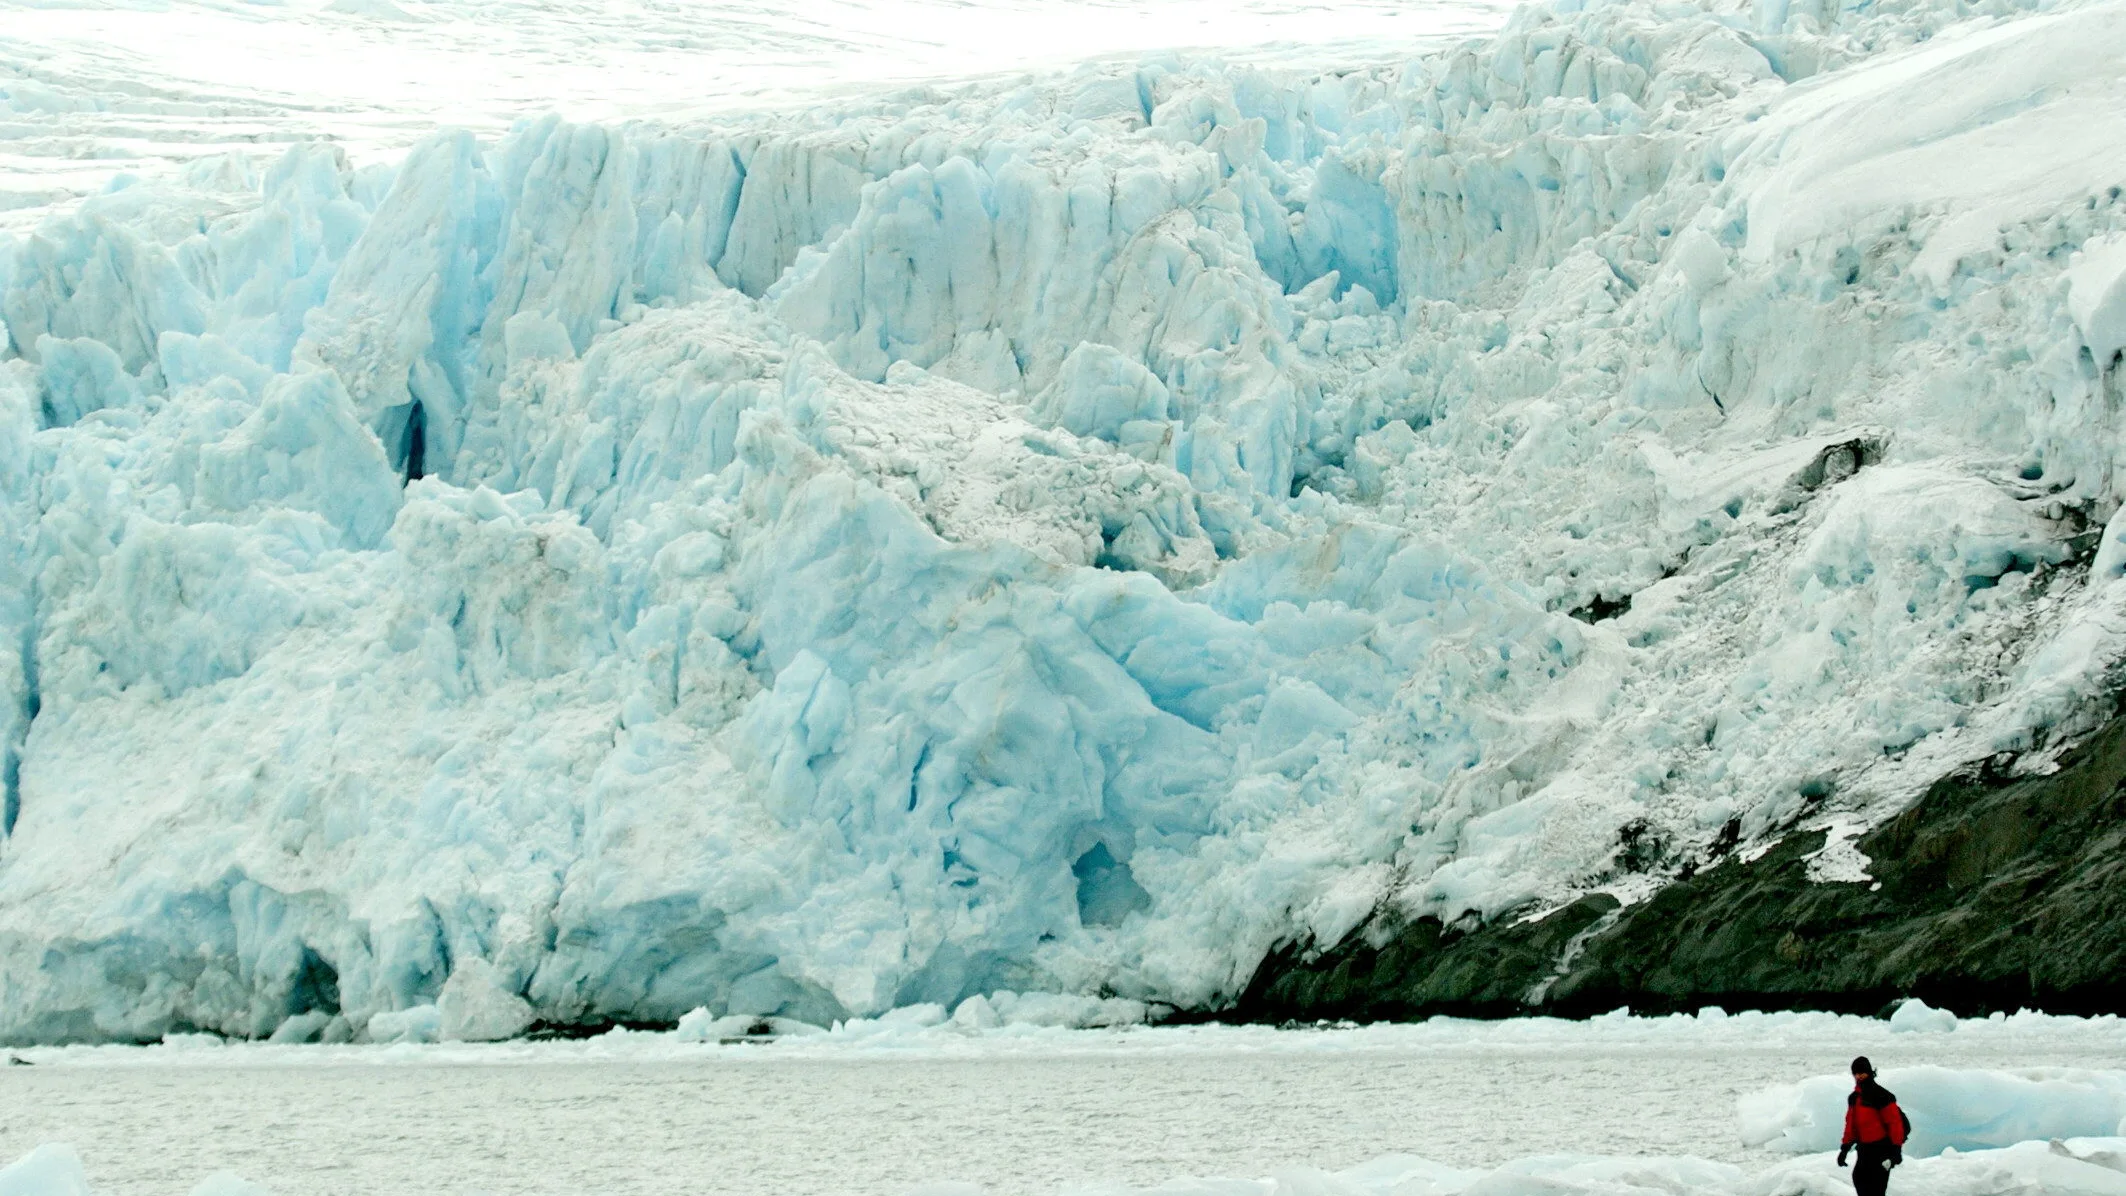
pixel 1066 534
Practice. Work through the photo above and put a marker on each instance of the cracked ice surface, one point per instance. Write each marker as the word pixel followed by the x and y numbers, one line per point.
pixel 1061 533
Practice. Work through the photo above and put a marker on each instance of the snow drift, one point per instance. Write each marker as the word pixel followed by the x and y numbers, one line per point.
pixel 2090 1165
pixel 1058 535
pixel 2082 1167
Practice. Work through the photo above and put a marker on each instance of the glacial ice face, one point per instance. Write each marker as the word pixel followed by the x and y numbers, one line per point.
pixel 1064 535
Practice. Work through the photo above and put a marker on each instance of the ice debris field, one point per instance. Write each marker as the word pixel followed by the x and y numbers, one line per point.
pixel 1060 533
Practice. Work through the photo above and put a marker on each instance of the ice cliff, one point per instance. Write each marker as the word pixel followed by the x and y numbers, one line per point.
pixel 1070 533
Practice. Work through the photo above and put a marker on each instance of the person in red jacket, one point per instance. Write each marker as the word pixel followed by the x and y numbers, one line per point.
pixel 1877 1127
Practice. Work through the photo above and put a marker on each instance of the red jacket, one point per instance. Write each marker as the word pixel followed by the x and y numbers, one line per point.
pixel 1872 1116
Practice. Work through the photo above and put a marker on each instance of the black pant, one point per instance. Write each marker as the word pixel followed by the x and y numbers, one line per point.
pixel 1871 1170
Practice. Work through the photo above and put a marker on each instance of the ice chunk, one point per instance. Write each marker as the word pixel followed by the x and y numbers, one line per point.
pixel 49 1170
pixel 2110 560
pixel 1294 715
pixel 1098 391
pixel 1950 1109
pixel 421 1023
pixel 303 1027
pixel 1920 524
pixel 476 1006
pixel 700 1025
pixel 1065 1009
pixel 1700 258
pixel 1916 1016
pixel 80 376
pixel 2096 297
pixel 189 361
pixel 535 336
pixel 90 276
pixel 303 449
pixel 976 1013
pixel 398 322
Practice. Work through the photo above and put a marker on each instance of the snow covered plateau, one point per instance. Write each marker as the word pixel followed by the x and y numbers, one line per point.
pixel 1061 533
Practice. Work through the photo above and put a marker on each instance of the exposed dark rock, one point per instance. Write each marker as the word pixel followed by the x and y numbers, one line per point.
pixel 544 1031
pixel 1835 463
pixel 1601 609
pixel 1421 968
pixel 1832 464
pixel 1995 893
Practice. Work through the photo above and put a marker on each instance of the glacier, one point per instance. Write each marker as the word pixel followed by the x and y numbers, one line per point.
pixel 1053 534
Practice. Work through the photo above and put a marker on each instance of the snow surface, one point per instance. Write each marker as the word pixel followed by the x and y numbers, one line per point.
pixel 2084 1165
pixel 913 1098
pixel 91 87
pixel 2077 1167
pixel 1058 533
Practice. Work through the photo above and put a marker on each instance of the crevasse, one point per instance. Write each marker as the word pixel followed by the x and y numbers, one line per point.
pixel 1055 535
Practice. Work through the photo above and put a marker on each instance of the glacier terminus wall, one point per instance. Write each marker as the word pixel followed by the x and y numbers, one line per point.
pixel 1063 534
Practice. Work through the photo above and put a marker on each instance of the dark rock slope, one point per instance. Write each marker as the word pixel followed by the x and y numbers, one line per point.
pixel 1995 893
